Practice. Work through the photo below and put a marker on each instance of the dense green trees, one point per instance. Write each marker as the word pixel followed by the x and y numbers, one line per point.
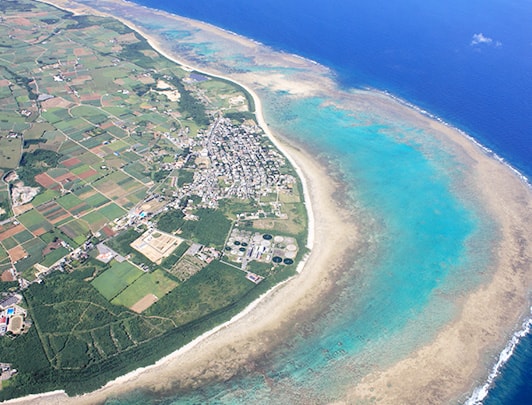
pixel 36 162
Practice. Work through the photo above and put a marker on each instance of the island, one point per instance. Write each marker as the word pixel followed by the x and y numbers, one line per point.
pixel 386 259
pixel 141 204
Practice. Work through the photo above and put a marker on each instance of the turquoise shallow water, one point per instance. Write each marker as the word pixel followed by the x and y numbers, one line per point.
pixel 425 245
pixel 424 248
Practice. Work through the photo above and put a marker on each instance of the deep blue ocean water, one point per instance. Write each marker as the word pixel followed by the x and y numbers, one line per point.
pixel 468 62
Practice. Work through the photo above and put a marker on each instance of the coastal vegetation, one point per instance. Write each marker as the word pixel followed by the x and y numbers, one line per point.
pixel 140 205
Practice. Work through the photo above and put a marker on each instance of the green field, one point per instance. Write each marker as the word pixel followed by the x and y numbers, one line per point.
pixel 95 220
pixel 54 256
pixel 96 200
pixel 111 282
pixel 10 151
pixel 43 197
pixel 111 211
pixel 69 201
pixel 77 230
pixel 34 220
pixel 156 283
pixel 23 236
pixel 37 130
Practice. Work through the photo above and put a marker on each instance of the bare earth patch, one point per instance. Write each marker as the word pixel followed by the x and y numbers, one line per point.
pixel 144 303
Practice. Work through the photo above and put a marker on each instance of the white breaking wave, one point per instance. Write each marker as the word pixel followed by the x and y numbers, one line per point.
pixel 480 393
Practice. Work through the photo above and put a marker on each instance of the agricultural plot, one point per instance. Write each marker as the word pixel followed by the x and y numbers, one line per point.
pixel 95 115
pixel 95 199
pixel 23 236
pixel 69 201
pixel 44 197
pixel 144 291
pixel 56 115
pixel 111 211
pixel 34 220
pixel 54 255
pixel 96 140
pixel 77 230
pixel 70 148
pixel 53 212
pixel 34 249
pixel 95 220
pixel 137 170
pixel 10 151
pixel 37 130
pixel 114 280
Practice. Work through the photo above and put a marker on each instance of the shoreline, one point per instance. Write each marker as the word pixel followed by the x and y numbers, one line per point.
pixel 378 382
pixel 133 375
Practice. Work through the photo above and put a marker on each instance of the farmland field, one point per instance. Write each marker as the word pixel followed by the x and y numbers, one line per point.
pixel 69 201
pixel 96 200
pixel 77 230
pixel 156 283
pixel 111 211
pixel 10 150
pixel 95 220
pixel 33 220
pixel 111 282
pixel 43 197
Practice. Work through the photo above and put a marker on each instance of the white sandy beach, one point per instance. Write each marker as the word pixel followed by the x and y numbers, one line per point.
pixel 444 370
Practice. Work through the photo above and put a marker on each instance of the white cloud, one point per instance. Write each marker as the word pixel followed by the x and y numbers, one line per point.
pixel 480 38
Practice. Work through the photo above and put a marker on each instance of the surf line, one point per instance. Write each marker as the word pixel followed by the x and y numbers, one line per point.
pixel 480 393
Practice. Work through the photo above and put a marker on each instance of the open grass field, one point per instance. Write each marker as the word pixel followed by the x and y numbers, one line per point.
pixel 34 220
pixel 95 200
pixel 111 211
pixel 114 280
pixel 44 197
pixel 156 283
pixel 69 201
pixel 10 151
pixel 54 256
pixel 95 220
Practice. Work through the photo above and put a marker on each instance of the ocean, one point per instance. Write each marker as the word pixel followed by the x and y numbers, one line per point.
pixel 469 63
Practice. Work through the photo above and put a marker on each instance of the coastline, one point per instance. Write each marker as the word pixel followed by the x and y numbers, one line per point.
pixel 505 197
pixel 311 170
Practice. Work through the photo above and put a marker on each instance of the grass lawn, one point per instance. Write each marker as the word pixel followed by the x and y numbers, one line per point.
pixel 111 282
pixel 156 283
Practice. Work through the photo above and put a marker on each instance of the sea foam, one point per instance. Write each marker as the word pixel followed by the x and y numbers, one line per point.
pixel 480 393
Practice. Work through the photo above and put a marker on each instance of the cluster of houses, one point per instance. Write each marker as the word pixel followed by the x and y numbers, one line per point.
pixel 234 162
